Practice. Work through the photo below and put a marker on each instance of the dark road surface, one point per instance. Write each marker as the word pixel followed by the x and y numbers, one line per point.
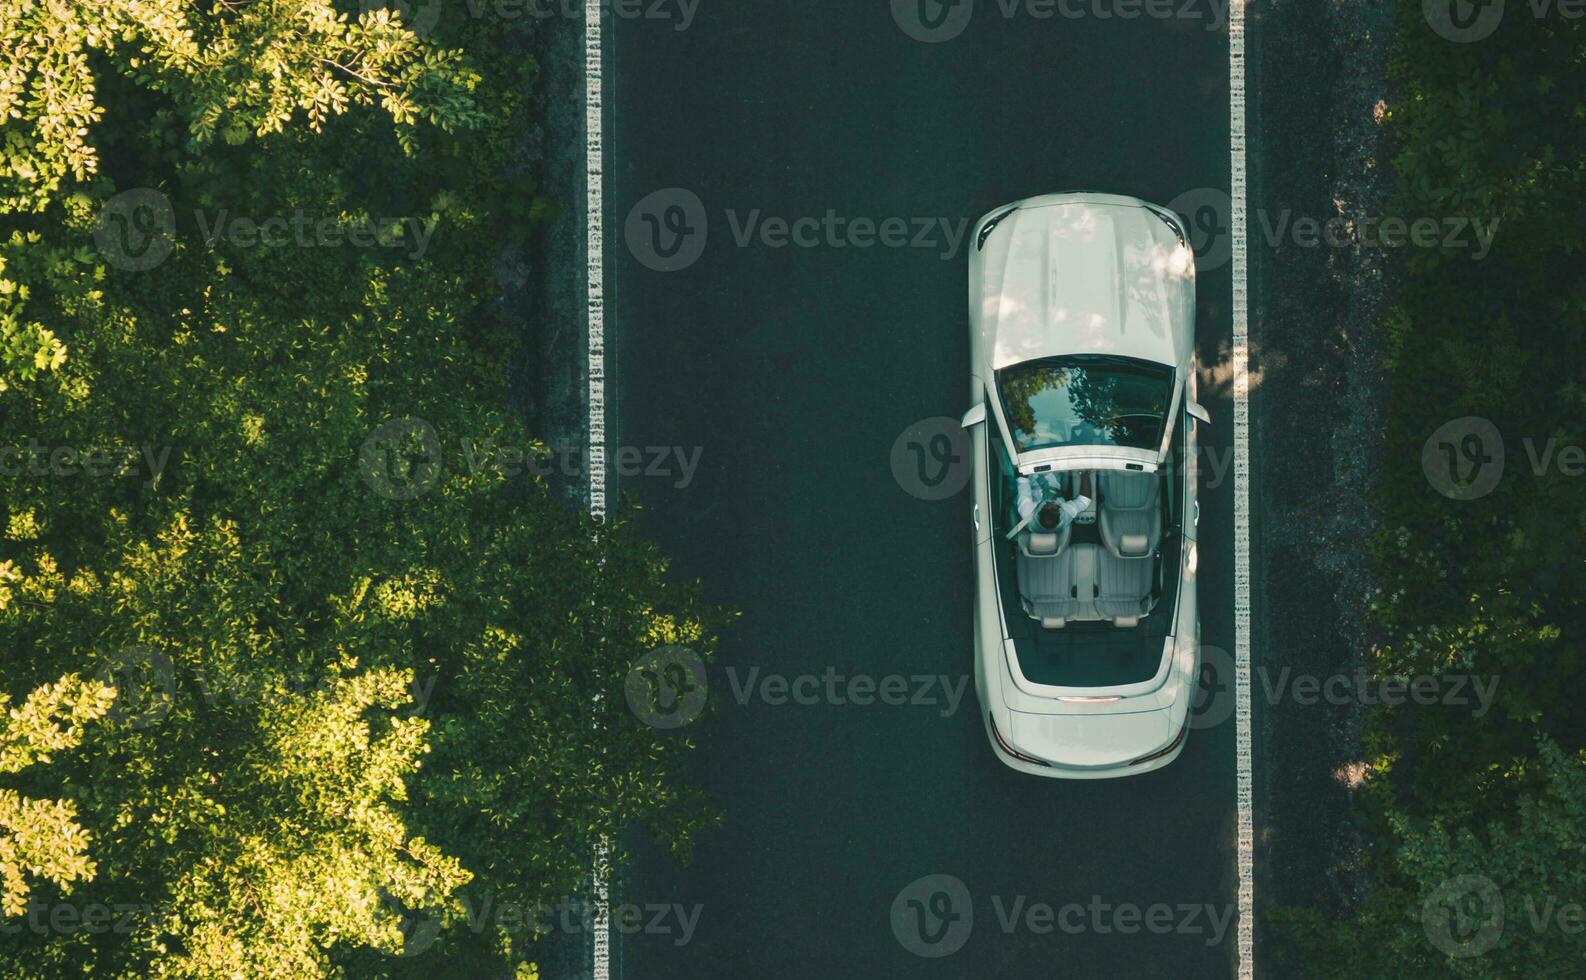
pixel 792 370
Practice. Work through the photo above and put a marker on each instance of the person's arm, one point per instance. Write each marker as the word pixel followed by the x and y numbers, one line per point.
pixel 1028 498
pixel 1074 508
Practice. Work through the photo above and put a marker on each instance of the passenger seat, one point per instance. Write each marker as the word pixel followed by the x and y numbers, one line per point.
pixel 1131 513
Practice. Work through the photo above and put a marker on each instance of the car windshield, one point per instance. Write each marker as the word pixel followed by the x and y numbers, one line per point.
pixel 1086 401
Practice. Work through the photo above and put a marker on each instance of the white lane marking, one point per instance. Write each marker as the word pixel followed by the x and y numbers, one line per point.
pixel 595 314
pixel 594 175
pixel 1238 218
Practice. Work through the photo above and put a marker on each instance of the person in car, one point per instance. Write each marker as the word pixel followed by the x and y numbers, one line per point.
pixel 1044 492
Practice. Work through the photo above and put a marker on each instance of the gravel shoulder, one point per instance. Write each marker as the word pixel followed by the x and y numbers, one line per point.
pixel 1316 310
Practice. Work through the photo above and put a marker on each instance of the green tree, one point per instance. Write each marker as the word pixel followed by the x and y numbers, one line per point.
pixel 239 67
pixel 288 509
pixel 1494 586
pixel 1499 900
pixel 319 852
pixel 41 838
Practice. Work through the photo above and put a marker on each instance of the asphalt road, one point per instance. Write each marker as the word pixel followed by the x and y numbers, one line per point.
pixel 792 369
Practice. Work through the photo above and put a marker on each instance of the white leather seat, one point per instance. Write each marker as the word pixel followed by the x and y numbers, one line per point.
pixel 1125 590
pixel 1059 590
pixel 1037 542
pixel 1085 583
pixel 1131 513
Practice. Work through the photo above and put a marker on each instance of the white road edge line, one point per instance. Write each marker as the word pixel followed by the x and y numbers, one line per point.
pixel 594 175
pixel 1238 229
pixel 595 315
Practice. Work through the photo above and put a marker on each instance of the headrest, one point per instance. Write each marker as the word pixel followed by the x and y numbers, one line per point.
pixel 1134 545
pixel 1053 622
pixel 1126 622
pixel 1043 543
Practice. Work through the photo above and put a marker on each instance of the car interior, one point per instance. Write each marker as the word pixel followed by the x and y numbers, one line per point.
pixel 1101 567
pixel 1083 604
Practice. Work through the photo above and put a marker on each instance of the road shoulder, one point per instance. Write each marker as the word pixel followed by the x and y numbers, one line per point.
pixel 1316 433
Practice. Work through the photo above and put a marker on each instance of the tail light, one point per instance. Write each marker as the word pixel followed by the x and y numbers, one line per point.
pixel 1003 744
pixel 1171 746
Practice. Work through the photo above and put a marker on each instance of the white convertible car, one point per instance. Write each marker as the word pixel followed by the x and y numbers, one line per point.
pixel 1082 329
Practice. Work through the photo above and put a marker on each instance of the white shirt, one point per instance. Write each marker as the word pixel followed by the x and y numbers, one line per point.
pixel 1042 488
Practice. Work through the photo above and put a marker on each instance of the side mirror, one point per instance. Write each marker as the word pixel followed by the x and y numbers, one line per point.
pixel 1198 412
pixel 974 416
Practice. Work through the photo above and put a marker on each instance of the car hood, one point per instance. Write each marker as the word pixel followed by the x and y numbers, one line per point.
pixel 1082 276
pixel 1092 740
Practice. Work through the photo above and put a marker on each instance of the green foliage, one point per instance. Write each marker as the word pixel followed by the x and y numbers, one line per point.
pixel 317 852
pixel 1498 899
pixel 1492 587
pixel 1495 586
pixel 28 349
pixel 252 66
pixel 1535 863
pixel 342 708
pixel 42 837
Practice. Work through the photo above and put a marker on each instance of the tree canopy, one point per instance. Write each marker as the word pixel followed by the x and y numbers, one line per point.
pixel 1479 557
pixel 302 664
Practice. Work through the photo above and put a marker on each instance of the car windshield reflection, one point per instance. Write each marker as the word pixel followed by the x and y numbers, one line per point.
pixel 1086 401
